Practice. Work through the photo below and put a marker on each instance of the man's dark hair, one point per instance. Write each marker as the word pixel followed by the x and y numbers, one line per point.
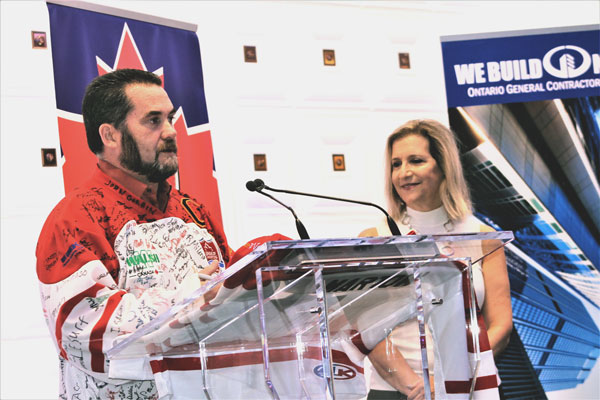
pixel 105 101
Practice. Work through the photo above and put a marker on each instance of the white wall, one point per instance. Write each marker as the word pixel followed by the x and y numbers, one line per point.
pixel 288 106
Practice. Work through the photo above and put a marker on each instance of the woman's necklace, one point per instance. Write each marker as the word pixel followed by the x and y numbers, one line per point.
pixel 446 250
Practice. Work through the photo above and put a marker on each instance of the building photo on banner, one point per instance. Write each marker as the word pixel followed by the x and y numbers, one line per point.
pixel 278 99
pixel 526 106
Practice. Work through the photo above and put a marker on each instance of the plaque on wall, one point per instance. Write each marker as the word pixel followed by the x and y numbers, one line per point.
pixel 404 60
pixel 329 57
pixel 38 40
pixel 48 157
pixel 260 162
pixel 338 162
pixel 250 54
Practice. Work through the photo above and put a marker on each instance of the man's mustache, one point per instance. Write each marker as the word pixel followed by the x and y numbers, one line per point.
pixel 170 146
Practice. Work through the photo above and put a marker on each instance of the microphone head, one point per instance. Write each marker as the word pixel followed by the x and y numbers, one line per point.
pixel 251 186
pixel 258 185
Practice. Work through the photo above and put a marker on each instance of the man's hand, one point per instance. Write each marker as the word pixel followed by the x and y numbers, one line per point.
pixel 207 272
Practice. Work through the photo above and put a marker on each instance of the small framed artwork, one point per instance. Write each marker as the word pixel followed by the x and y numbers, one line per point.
pixel 250 54
pixel 260 162
pixel 404 60
pixel 48 157
pixel 38 40
pixel 338 162
pixel 329 57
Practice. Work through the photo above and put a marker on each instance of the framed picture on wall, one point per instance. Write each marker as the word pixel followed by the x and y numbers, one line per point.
pixel 48 157
pixel 250 54
pixel 329 57
pixel 404 60
pixel 260 162
pixel 339 164
pixel 38 40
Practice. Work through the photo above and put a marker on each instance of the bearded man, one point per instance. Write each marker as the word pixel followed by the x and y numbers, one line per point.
pixel 125 246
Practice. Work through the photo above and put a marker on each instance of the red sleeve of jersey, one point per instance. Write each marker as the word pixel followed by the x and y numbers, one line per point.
pixel 77 270
pixel 69 239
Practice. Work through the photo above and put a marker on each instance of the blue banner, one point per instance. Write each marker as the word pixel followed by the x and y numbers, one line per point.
pixel 523 68
pixel 81 39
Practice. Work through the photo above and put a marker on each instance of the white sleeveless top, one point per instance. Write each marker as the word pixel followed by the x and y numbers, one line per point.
pixel 405 337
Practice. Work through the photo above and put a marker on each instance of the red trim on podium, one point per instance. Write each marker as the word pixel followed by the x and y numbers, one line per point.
pixel 243 359
pixel 483 382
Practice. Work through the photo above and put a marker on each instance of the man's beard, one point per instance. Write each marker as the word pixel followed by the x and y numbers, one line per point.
pixel 132 160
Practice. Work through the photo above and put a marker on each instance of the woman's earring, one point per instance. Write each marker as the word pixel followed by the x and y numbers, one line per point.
pixel 405 219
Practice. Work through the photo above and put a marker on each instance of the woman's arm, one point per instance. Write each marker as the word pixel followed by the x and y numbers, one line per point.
pixel 497 310
pixel 396 371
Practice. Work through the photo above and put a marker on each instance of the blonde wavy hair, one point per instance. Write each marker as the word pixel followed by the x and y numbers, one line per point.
pixel 454 192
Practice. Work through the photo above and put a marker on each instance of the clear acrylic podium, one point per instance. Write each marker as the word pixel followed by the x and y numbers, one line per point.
pixel 295 319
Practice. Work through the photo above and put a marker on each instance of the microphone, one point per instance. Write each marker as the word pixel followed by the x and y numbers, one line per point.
pixel 258 183
pixel 255 186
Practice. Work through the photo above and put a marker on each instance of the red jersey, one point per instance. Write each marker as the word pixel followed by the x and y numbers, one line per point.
pixel 108 262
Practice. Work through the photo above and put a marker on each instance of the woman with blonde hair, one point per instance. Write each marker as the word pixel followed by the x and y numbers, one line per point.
pixel 427 194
